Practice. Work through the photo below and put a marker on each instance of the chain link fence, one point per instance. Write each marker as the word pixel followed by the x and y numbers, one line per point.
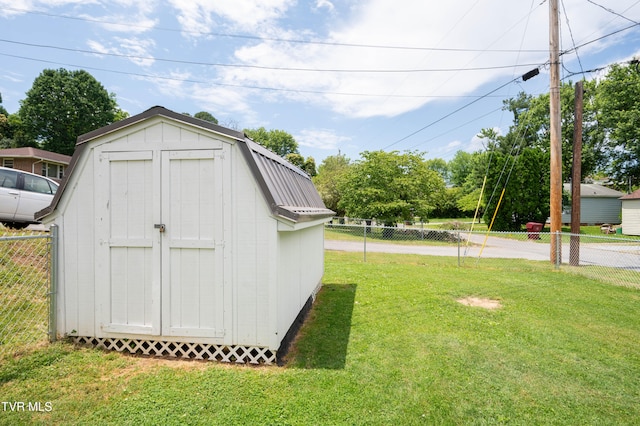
pixel 25 287
pixel 611 258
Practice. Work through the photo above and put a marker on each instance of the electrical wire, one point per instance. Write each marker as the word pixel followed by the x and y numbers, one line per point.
pixel 467 105
pixel 262 67
pixel 573 41
pixel 258 38
pixel 616 13
pixel 241 86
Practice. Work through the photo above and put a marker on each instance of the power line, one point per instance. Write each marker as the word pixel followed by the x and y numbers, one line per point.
pixel 614 12
pixel 573 42
pixel 450 114
pixel 599 38
pixel 262 67
pixel 271 39
pixel 212 83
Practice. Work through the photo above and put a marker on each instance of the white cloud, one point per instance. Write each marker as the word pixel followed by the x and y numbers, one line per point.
pixel 320 138
pixel 320 4
pixel 204 15
pixel 503 33
pixel 137 50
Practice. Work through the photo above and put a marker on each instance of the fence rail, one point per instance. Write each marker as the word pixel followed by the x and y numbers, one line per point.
pixel 25 287
pixel 612 258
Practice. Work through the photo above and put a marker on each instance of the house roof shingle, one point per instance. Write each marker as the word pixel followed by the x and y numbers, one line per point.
pixel 30 152
pixel 635 195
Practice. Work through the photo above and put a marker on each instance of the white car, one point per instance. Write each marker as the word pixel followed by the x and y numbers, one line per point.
pixel 23 194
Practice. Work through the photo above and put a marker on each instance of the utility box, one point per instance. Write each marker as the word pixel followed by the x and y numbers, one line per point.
pixel 533 230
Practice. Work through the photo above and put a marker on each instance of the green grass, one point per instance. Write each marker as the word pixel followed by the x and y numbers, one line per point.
pixel 386 343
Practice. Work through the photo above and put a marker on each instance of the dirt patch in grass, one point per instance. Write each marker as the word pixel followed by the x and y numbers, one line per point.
pixel 480 302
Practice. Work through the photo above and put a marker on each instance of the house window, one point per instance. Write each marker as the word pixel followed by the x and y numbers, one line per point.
pixel 52 170
pixel 7 162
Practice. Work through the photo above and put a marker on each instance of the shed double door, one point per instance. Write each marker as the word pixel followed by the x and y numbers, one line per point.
pixel 161 263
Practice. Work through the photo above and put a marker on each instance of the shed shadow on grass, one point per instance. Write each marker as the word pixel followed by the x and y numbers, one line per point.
pixel 324 337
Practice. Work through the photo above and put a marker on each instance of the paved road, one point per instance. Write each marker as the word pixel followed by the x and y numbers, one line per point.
pixel 495 247
pixel 603 254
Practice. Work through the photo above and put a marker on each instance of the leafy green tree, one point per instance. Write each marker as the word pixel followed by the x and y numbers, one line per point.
pixel 390 186
pixel 524 178
pixel 308 164
pixel 439 166
pixel 618 100
pixel 3 111
pixel 278 141
pixel 531 126
pixel 459 168
pixel 61 105
pixel 206 116
pixel 331 173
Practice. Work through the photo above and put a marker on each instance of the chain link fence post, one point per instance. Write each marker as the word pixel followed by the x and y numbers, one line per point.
pixel 365 240
pixel 53 281
pixel 558 256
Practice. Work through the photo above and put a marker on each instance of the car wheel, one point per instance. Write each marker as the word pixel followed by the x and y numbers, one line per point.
pixel 16 225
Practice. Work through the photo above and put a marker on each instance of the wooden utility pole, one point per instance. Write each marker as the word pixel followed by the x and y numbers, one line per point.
pixel 576 177
pixel 556 133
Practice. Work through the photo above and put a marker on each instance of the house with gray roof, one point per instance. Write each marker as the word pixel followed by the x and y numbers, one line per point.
pixel 598 205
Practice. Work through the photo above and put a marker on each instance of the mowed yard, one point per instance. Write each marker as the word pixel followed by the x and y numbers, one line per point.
pixel 387 342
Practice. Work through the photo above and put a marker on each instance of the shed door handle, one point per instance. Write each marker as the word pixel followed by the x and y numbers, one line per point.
pixel 160 227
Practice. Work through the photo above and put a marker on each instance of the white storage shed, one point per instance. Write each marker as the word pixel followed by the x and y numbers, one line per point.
pixel 631 213
pixel 178 237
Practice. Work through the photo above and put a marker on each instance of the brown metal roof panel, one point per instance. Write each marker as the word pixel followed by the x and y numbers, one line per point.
pixel 288 189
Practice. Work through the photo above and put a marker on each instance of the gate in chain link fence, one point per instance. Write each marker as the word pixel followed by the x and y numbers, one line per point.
pixel 26 288
pixel 614 259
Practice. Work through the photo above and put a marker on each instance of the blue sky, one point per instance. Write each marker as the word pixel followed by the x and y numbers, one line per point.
pixel 339 75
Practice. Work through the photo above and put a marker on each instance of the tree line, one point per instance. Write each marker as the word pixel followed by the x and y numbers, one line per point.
pixel 512 169
pixel 399 186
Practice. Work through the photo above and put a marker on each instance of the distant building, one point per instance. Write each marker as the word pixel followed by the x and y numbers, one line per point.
pixel 598 205
pixel 34 160
pixel 631 213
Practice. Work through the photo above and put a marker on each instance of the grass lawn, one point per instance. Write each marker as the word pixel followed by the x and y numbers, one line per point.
pixel 387 342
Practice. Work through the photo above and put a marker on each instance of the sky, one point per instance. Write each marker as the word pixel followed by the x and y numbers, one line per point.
pixel 341 76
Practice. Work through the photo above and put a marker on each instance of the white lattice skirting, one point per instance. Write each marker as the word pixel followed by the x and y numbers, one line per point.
pixel 202 351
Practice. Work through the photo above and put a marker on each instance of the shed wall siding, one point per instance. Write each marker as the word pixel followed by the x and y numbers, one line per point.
pixel 76 311
pixel 253 236
pixel 631 217
pixel 300 270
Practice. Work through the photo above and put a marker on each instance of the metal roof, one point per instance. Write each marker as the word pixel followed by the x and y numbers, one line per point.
pixel 287 189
